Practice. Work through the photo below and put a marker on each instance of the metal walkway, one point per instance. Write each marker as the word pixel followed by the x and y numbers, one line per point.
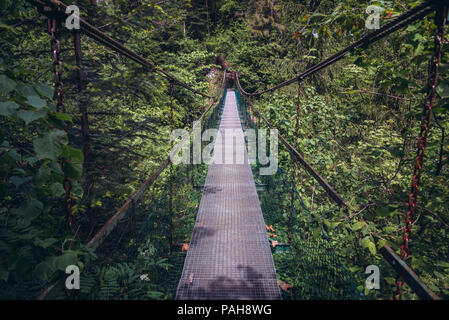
pixel 229 256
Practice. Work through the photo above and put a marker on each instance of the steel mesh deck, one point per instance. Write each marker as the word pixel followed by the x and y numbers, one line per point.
pixel 229 255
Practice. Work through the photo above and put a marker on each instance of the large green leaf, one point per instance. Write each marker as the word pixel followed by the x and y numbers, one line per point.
pixel 36 102
pixel 30 210
pixel 443 90
pixel 45 269
pixel 367 243
pixel 57 189
pixel 51 145
pixel 441 106
pixel 387 210
pixel 68 258
pixel 6 84
pixel 8 108
pixel 74 167
pixel 358 225
pixel 29 116
pixel 26 90
pixel 62 116
pixel 17 181
pixel 44 90
pixel 45 243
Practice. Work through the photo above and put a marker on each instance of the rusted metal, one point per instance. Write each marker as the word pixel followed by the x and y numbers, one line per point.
pixel 120 213
pixel 432 82
pixel 50 9
pixel 229 254
pixel 53 27
pixel 407 274
pixel 403 20
pixel 334 195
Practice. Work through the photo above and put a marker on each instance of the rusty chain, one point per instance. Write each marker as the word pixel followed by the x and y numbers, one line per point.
pixel 432 82
pixel 54 31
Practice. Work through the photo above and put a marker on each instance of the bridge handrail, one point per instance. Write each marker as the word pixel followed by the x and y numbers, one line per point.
pixel 109 226
pixel 334 195
pixel 53 10
pixel 403 20
pixel 99 237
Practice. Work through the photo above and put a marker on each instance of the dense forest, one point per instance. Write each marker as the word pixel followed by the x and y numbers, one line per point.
pixel 64 173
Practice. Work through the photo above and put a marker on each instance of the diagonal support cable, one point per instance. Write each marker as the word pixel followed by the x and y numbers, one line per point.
pixel 403 20
pixel 50 9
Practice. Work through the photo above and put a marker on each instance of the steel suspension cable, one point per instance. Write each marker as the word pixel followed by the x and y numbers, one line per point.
pixel 432 82
pixel 109 226
pixel 334 195
pixel 50 9
pixel 400 266
pixel 403 20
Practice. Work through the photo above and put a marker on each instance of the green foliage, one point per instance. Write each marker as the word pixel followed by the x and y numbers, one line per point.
pixel 32 146
pixel 124 281
pixel 128 111
pixel 358 124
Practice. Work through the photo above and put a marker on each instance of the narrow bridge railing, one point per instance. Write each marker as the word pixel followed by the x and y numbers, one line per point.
pixel 55 11
pixel 418 12
pixel 318 273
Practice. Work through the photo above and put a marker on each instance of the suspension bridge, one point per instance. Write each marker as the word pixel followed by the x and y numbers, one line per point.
pixel 217 265
pixel 229 255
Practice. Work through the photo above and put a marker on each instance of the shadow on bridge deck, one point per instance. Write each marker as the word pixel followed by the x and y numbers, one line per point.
pixel 229 255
